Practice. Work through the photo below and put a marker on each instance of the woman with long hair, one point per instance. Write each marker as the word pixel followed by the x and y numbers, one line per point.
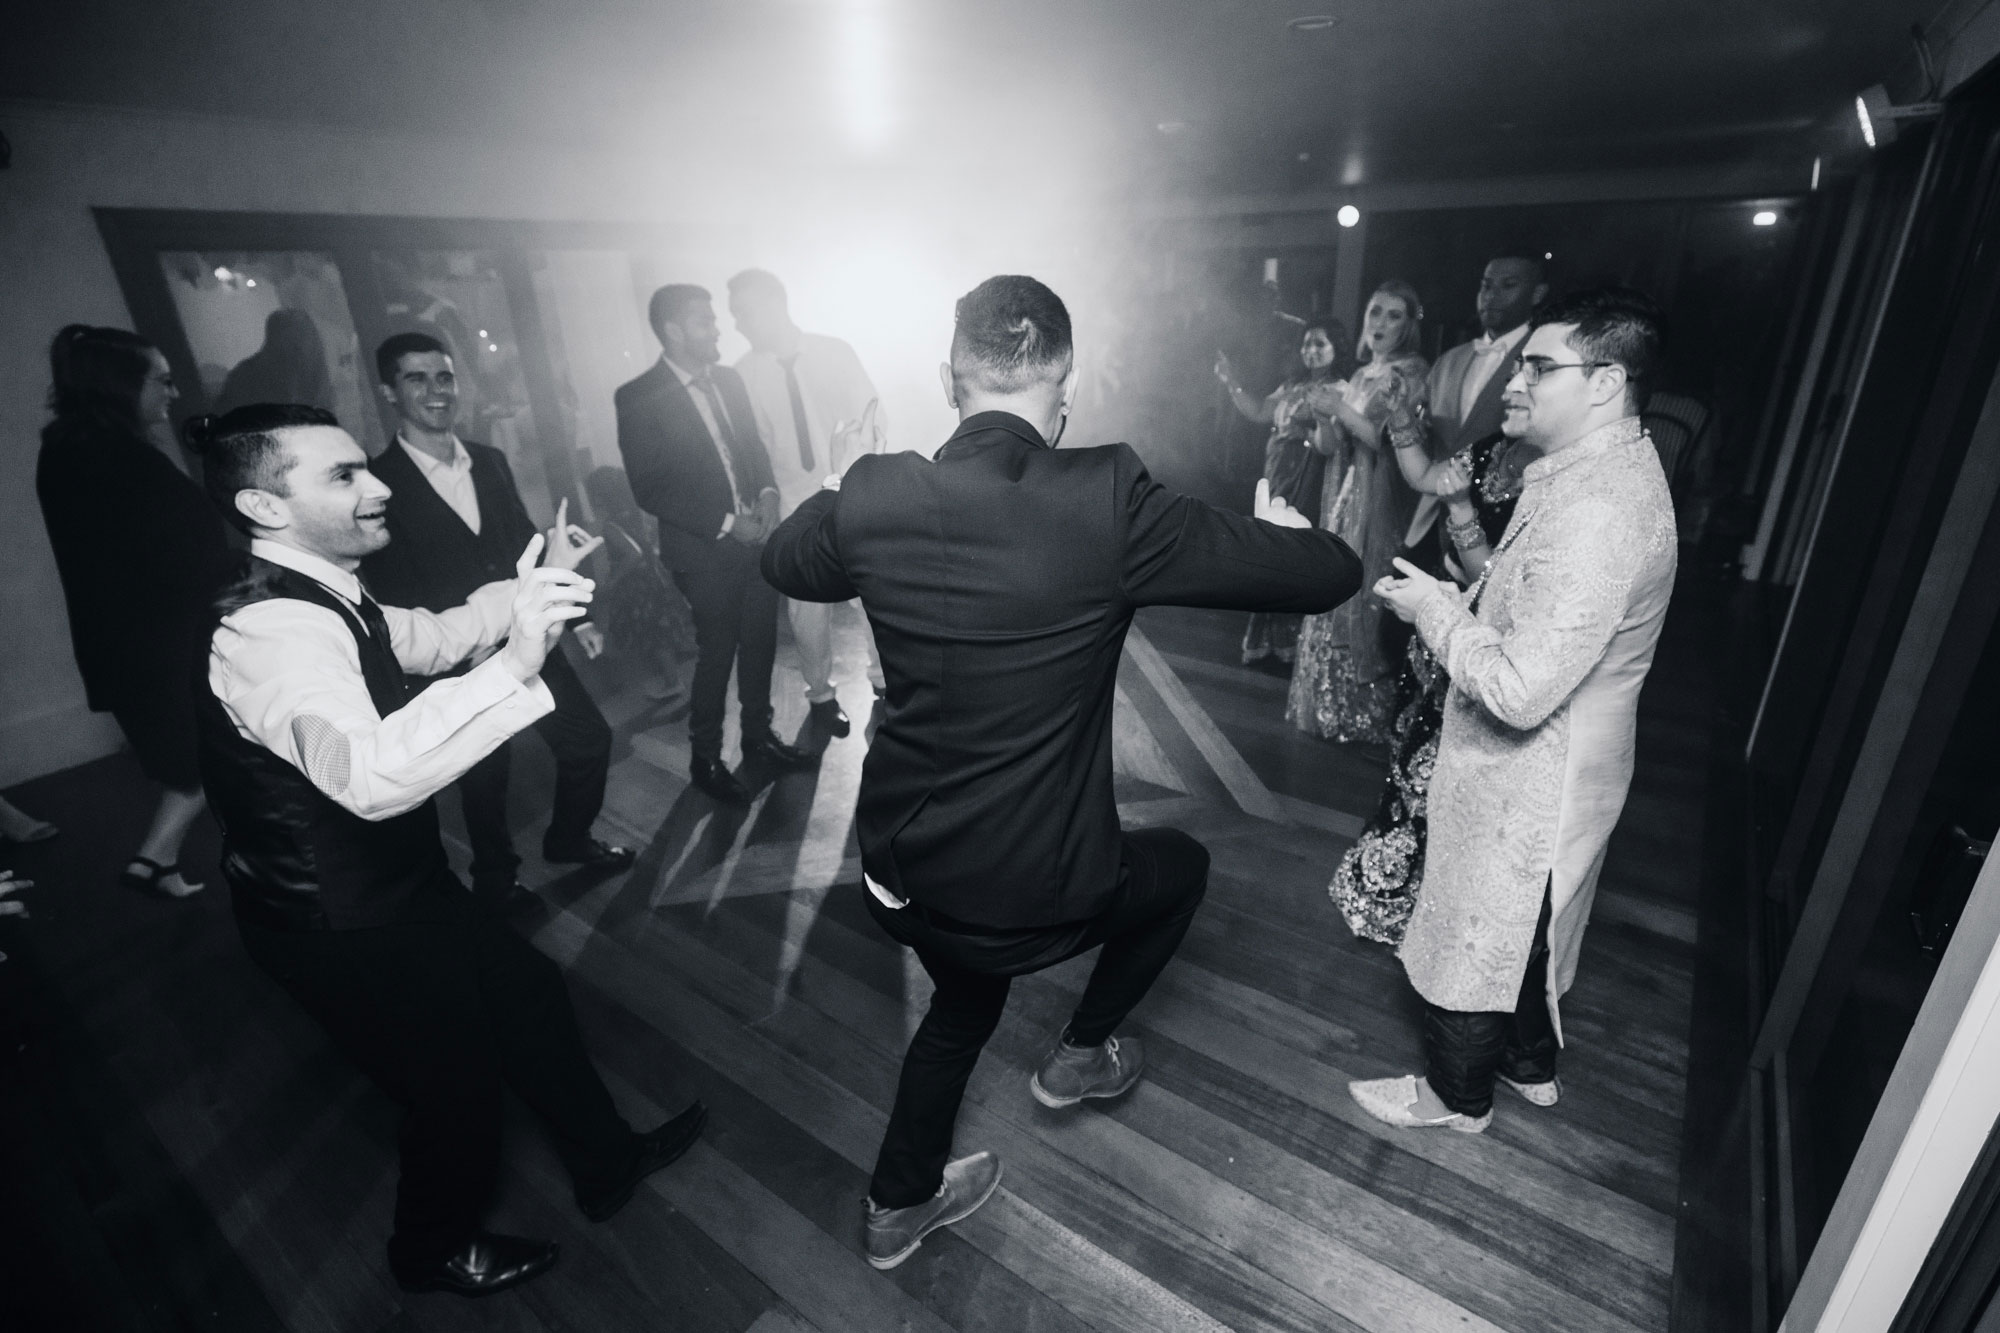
pixel 1294 463
pixel 140 551
pixel 1343 682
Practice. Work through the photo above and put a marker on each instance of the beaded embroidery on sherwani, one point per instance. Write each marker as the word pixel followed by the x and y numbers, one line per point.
pixel 1593 529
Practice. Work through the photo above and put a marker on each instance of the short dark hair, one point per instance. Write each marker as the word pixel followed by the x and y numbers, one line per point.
pixel 244 450
pixel 95 375
pixel 1614 325
pixel 669 301
pixel 759 280
pixel 1523 254
pixel 1011 332
pixel 389 356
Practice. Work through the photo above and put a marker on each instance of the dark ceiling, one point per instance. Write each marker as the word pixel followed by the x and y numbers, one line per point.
pixel 1213 95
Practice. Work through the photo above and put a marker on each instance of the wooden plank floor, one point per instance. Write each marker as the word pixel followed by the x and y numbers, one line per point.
pixel 195 1156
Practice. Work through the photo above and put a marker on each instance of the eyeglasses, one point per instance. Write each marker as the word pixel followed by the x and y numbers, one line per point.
pixel 1532 368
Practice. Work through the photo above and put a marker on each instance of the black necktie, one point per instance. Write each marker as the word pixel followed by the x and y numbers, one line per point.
pixel 372 621
pixel 727 444
pixel 799 426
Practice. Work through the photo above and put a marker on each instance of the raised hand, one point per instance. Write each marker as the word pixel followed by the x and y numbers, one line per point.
pixel 8 884
pixel 544 600
pixel 567 543
pixel 861 435
pixel 1275 511
pixel 1225 371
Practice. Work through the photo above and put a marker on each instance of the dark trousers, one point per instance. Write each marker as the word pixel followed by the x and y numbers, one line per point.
pixel 580 739
pixel 735 622
pixel 1466 1050
pixel 1163 878
pixel 441 1013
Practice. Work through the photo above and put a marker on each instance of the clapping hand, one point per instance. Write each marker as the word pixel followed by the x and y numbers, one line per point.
pixel 1451 481
pixel 544 600
pixel 1404 595
pixel 1225 371
pixel 8 884
pixel 567 543
pixel 1274 510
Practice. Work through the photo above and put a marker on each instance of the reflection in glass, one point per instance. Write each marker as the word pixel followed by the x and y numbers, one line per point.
pixel 459 297
pixel 593 311
pixel 272 326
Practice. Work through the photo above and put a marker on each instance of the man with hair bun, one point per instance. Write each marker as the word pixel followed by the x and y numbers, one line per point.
pixel 1546 653
pixel 1000 579
pixel 322 767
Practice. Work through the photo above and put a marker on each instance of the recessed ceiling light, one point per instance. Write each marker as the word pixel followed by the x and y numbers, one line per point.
pixel 1348 215
pixel 1764 217
pixel 1312 22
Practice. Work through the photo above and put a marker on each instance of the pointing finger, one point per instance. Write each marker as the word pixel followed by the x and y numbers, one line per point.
pixel 526 564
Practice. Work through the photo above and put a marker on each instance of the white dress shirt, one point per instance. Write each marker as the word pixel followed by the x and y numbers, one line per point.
pixel 834 388
pixel 452 481
pixel 715 436
pixel 1488 355
pixel 288 674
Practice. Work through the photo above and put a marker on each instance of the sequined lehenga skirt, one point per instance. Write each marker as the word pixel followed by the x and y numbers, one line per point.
pixel 1375 886
pixel 1339 690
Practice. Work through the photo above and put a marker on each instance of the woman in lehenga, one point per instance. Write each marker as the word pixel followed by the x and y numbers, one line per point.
pixel 1343 682
pixel 1293 466
pixel 1375 886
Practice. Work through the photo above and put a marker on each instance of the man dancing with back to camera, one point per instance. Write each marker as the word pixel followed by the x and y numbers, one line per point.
pixel 1000 579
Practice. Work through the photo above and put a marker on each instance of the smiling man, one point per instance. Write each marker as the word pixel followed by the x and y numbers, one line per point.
pixel 1546 653
pixel 456 523
pixel 321 768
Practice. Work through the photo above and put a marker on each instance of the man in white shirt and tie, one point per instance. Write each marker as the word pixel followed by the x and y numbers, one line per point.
pixel 321 767
pixel 804 387
pixel 1467 381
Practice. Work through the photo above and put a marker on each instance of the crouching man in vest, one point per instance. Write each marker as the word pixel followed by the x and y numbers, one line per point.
pixel 321 768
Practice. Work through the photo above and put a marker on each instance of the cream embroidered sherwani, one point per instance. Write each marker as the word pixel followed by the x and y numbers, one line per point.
pixel 1536 752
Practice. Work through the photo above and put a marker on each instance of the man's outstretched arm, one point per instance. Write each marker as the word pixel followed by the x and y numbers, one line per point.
pixel 1182 552
pixel 802 558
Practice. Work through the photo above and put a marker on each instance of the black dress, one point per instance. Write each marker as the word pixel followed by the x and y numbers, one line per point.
pixel 1295 470
pixel 1375 886
pixel 141 551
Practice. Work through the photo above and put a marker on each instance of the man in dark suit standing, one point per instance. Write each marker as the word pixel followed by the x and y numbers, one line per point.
pixel 456 523
pixel 1466 384
pixel 695 462
pixel 1000 579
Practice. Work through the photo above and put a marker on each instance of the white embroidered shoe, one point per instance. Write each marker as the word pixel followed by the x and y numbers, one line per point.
pixel 1393 1101
pixel 1541 1094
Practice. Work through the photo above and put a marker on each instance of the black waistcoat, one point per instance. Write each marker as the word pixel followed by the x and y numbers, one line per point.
pixel 293 857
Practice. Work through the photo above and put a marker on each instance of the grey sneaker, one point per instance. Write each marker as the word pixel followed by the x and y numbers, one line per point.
pixel 895 1233
pixel 1072 1073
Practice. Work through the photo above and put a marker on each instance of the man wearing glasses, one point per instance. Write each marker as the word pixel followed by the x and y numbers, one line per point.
pixel 1546 652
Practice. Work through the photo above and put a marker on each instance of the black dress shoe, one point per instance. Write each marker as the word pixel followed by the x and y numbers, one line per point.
pixel 657 1149
pixel 774 751
pixel 828 717
pixel 713 776
pixel 592 852
pixel 488 1263
pixel 508 897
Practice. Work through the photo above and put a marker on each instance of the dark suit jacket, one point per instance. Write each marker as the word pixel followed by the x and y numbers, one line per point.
pixel 433 560
pixel 671 462
pixel 1000 580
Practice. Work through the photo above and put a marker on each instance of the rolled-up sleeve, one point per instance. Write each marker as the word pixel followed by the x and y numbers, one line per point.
pixel 288 674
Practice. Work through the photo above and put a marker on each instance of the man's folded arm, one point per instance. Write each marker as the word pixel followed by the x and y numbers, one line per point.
pixel 289 676
pixel 802 558
pixel 1182 552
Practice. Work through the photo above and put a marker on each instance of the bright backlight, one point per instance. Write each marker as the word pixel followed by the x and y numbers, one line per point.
pixel 1348 215
pixel 1764 217
pixel 861 74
